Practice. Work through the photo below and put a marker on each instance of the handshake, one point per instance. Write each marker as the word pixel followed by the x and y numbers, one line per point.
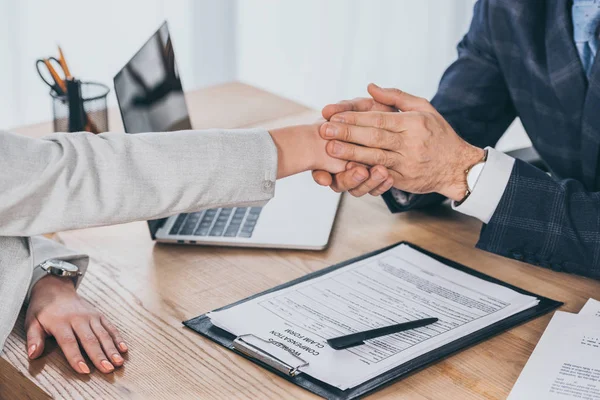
pixel 369 145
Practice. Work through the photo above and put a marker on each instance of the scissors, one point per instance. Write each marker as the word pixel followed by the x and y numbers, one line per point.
pixel 58 81
pixel 52 65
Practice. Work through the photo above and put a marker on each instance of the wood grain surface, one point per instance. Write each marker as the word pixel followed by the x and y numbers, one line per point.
pixel 147 289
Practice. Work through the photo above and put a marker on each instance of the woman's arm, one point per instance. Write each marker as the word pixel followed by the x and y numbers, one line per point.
pixel 78 180
pixel 301 148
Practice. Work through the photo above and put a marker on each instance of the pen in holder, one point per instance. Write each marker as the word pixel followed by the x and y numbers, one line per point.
pixel 82 108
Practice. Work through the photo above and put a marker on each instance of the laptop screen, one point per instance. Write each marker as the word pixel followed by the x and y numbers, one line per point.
pixel 149 89
pixel 150 93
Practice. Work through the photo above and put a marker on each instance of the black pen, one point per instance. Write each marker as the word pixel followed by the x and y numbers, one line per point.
pixel 356 339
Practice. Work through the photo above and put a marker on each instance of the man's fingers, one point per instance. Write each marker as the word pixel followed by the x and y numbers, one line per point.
pixel 114 333
pixel 378 176
pixel 350 179
pixel 364 155
pixel 66 339
pixel 323 178
pixel 91 345
pixel 399 99
pixel 393 122
pixel 370 137
pixel 360 104
pixel 384 187
pixel 107 342
pixel 36 338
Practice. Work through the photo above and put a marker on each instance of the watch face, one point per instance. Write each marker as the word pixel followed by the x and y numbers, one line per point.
pixel 68 267
pixel 58 267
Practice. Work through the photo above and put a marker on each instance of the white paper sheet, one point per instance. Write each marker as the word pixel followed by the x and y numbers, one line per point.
pixel 396 286
pixel 565 363
pixel 591 307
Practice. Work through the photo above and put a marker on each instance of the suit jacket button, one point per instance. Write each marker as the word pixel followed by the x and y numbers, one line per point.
pixel 517 256
pixel 268 186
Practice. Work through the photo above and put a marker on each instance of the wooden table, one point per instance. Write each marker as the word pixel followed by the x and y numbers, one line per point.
pixel 147 289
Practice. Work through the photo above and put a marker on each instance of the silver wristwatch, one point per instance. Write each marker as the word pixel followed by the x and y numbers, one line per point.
pixel 62 269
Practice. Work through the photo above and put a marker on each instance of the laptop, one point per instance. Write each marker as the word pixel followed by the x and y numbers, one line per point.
pixel 151 99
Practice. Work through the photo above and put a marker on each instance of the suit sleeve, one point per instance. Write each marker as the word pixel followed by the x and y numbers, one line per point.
pixel 546 222
pixel 78 180
pixel 472 97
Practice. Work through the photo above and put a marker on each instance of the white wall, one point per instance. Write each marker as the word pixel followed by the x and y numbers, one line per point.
pixel 98 38
pixel 316 51
pixel 312 51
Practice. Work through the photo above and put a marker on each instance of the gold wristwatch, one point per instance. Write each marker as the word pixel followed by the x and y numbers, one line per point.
pixel 472 176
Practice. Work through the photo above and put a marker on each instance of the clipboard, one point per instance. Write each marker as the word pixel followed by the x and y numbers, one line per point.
pixel 242 346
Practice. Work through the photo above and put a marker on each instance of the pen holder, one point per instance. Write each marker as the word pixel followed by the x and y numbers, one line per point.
pixel 93 101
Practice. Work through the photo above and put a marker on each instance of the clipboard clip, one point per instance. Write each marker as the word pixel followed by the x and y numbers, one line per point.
pixel 252 351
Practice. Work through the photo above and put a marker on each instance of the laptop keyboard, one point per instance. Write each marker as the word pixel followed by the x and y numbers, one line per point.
pixel 226 222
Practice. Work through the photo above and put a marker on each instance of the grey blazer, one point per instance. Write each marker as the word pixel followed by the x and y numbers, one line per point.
pixel 78 180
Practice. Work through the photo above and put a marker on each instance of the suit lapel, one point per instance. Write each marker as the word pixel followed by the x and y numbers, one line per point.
pixel 564 67
pixel 590 129
pixel 567 77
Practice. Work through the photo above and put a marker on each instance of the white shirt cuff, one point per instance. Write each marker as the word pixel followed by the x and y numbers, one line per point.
pixel 489 188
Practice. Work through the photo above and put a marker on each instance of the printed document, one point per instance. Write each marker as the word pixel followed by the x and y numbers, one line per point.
pixel 591 307
pixel 566 362
pixel 396 286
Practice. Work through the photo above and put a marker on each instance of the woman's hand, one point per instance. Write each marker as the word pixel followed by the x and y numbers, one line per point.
pixel 56 310
pixel 301 148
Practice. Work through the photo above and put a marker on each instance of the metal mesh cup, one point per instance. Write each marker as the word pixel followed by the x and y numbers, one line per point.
pixel 94 96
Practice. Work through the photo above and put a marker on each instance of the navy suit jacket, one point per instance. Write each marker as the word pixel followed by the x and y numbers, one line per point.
pixel 519 59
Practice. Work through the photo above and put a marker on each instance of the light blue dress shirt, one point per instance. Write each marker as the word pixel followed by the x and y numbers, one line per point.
pixel 586 18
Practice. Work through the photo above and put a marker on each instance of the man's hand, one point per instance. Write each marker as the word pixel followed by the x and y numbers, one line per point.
pixel 421 150
pixel 56 310
pixel 358 179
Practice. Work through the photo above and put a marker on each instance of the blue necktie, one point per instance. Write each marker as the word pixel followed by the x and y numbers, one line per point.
pixel 586 17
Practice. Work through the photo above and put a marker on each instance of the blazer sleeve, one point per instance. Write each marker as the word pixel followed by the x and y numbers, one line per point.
pixel 15 275
pixel 44 249
pixel 546 222
pixel 77 180
pixel 472 96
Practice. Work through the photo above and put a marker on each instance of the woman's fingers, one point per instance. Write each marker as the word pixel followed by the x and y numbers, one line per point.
pixel 36 338
pixel 107 343
pixel 114 333
pixel 91 345
pixel 66 339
